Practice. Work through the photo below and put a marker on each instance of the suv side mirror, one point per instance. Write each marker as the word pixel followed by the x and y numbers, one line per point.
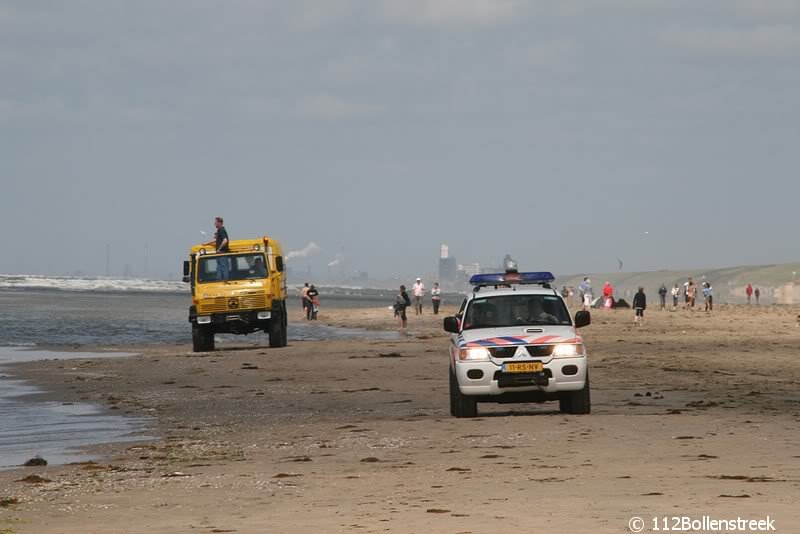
pixel 451 325
pixel 582 318
pixel 279 263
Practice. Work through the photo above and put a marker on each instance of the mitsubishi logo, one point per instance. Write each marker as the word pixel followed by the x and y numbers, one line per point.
pixel 233 303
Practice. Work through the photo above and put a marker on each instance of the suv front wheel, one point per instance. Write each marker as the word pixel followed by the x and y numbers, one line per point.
pixel 461 405
pixel 576 402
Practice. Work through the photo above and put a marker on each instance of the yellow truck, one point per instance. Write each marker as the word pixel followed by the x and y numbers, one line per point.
pixel 244 294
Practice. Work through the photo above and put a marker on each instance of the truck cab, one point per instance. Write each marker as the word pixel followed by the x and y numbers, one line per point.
pixel 237 292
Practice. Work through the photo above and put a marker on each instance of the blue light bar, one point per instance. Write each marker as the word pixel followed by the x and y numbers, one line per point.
pixel 497 279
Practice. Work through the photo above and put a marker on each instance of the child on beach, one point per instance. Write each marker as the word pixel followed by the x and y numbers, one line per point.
pixel 639 305
pixel 662 296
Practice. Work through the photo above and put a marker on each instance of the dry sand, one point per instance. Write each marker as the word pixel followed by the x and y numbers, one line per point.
pixel 693 414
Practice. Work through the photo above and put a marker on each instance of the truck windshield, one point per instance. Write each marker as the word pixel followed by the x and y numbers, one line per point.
pixel 233 267
pixel 516 310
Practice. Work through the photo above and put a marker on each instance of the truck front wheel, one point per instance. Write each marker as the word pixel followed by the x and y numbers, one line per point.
pixel 202 338
pixel 278 336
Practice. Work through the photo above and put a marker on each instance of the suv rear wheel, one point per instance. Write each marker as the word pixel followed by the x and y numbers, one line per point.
pixel 461 405
pixel 202 338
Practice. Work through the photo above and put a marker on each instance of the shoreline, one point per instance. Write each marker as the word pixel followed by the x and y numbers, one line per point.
pixel 355 434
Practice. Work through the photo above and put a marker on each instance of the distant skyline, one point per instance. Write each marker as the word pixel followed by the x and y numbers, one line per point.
pixel 568 134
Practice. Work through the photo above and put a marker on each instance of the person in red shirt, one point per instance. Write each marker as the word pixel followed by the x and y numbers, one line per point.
pixel 749 292
pixel 608 295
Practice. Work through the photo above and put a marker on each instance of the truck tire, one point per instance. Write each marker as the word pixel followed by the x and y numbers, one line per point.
pixel 278 336
pixel 461 405
pixel 577 402
pixel 202 338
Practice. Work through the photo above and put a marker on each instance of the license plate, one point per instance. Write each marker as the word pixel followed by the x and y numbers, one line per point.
pixel 523 367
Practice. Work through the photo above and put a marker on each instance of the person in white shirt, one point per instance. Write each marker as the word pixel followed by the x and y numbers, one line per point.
pixel 676 292
pixel 436 297
pixel 418 290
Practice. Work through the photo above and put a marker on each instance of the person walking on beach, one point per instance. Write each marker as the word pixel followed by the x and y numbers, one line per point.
pixel 564 292
pixel 436 297
pixel 749 292
pixel 418 290
pixel 691 294
pixel 586 294
pixel 757 293
pixel 608 295
pixel 708 296
pixel 676 293
pixel 313 303
pixel 401 303
pixel 639 305
pixel 662 297
pixel 304 299
pixel 220 243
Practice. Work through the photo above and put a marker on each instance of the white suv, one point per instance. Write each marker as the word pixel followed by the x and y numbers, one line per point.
pixel 514 341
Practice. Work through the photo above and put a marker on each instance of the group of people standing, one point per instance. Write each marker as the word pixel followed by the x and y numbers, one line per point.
pixel 309 296
pixel 403 301
pixel 751 293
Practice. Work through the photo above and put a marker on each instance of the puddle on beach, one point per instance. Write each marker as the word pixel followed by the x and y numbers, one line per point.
pixel 56 431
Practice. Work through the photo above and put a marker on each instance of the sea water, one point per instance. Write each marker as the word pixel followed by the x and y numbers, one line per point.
pixel 100 312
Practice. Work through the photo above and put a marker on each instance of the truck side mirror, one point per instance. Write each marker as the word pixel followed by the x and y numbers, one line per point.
pixel 451 325
pixel 582 318
pixel 279 263
pixel 186 271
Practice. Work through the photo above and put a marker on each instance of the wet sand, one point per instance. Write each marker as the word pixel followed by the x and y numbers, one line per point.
pixel 693 414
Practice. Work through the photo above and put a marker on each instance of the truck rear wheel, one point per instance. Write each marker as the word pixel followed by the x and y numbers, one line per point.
pixel 202 338
pixel 278 336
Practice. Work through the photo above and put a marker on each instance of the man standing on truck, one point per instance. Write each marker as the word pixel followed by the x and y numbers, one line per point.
pixel 220 243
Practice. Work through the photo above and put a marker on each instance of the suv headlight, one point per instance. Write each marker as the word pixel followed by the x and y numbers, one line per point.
pixel 473 354
pixel 568 350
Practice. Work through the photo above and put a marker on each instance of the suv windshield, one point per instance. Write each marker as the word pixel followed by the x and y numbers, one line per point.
pixel 240 267
pixel 516 310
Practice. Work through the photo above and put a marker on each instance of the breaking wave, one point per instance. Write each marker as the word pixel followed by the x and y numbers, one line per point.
pixel 97 284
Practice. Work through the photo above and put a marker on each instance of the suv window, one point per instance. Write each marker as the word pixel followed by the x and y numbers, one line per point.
pixel 516 310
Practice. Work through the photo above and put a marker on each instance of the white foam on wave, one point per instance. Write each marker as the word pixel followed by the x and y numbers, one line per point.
pixel 73 283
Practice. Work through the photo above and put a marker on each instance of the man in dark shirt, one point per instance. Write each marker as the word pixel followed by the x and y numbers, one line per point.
pixel 639 305
pixel 220 243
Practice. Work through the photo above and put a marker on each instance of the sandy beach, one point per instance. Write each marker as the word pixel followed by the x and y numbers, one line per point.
pixel 693 414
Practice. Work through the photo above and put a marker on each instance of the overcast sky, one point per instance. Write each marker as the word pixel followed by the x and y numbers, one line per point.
pixel 558 131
